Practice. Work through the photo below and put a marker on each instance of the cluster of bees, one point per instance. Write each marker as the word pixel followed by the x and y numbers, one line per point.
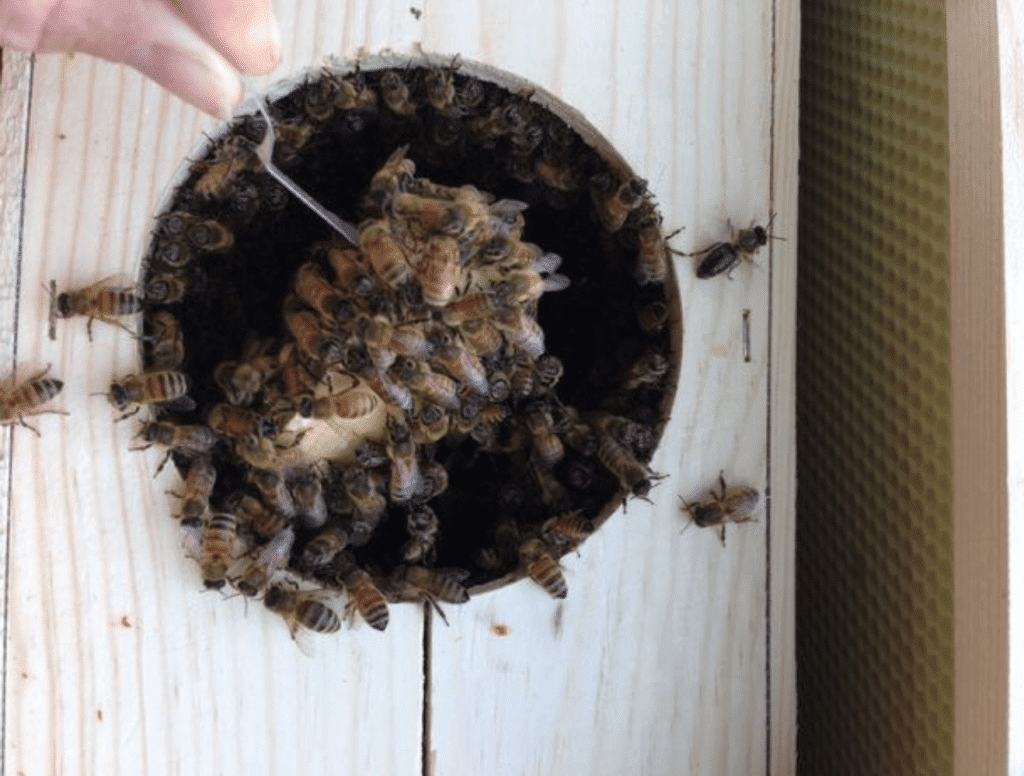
pixel 444 405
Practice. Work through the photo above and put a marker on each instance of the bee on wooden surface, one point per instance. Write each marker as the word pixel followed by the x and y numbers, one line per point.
pixel 396 95
pixel 232 156
pixel 165 288
pixel 416 584
pixel 257 518
pixel 164 340
pixel 272 557
pixel 312 340
pixel 219 538
pixel 129 394
pixel 542 568
pixel 617 458
pixel 323 297
pixel 652 317
pixel 301 608
pixel 614 206
pixel 566 530
pixel 323 549
pixel 546 443
pixel 199 482
pixel 97 301
pixel 405 477
pixel 365 598
pixel 274 491
pixel 308 493
pixel 720 509
pixel 242 382
pixel 187 440
pixel 20 401
pixel 649 369
pixel 423 527
pixel 724 257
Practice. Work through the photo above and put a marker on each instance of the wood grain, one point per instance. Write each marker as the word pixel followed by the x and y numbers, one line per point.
pixel 658 660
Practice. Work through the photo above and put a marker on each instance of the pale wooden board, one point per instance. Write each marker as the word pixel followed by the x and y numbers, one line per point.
pixel 662 648
pixel 659 663
pixel 980 338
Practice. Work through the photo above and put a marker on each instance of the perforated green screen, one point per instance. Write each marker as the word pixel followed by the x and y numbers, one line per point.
pixel 874 537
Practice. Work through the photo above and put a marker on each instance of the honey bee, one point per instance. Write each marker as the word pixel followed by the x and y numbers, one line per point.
pixel 566 530
pixel 19 401
pixel 263 454
pixel 649 369
pixel 548 370
pixel 301 608
pixel 241 382
pixel 273 556
pixel 652 253
pixel 557 175
pixel 724 257
pixel 389 390
pixel 97 301
pixel 499 121
pixel 130 393
pixel 256 517
pixel 615 207
pixel 165 340
pixel 736 507
pixel 209 236
pixel 617 458
pixel 327 300
pixel 482 338
pixel 405 477
pixel 199 482
pixel 299 383
pixel 323 549
pixel 416 584
pixel 463 365
pixel 433 423
pixel 433 481
pixel 318 100
pixel 290 137
pixel 553 493
pixel 348 405
pixel 238 422
pixel 308 494
pixel 469 95
pixel 355 95
pixel 365 598
pixel 362 487
pixel 470 307
pixel 520 329
pixel 439 85
pixel 385 255
pixel 274 491
pixel 395 93
pixel 349 271
pixel 433 387
pixel 232 156
pixel 188 440
pixel 372 455
pixel 423 526
pixel 652 317
pixel 166 288
pixel 173 254
pixel 313 341
pixel 439 271
pixel 546 444
pixel 542 568
pixel 219 537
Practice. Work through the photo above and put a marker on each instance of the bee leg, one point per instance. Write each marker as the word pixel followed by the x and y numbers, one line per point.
pixel 433 602
pixel 163 463
pixel 127 415
pixel 723 535
pixel 721 481
pixel 35 430
pixel 88 328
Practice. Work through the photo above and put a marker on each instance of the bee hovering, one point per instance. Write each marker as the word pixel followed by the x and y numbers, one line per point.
pixel 98 301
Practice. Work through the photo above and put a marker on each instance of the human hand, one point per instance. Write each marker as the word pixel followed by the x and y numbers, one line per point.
pixel 191 47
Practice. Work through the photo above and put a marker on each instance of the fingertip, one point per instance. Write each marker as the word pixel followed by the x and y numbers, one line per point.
pixel 207 82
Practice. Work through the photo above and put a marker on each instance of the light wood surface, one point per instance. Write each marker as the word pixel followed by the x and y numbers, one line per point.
pixel 659 660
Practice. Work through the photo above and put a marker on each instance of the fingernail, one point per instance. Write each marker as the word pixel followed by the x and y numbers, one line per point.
pixel 264 50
